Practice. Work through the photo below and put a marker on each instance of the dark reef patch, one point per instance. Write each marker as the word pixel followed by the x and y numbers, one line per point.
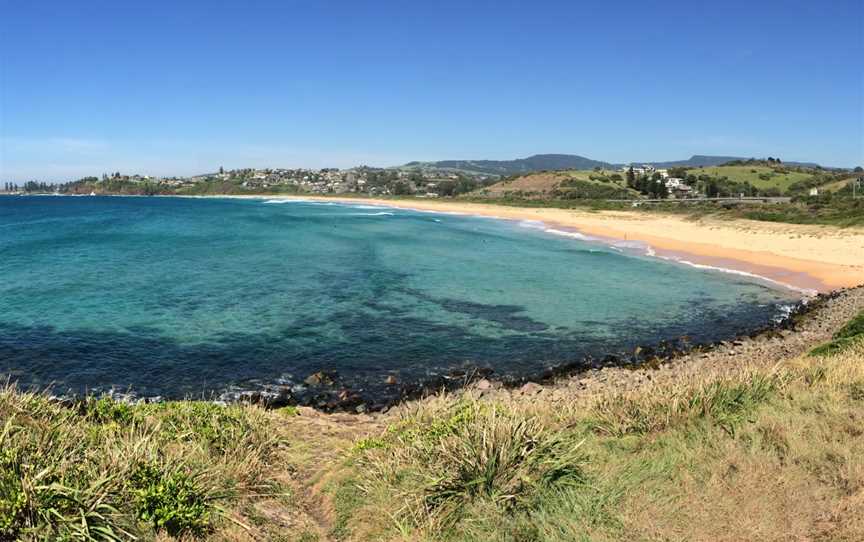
pixel 375 349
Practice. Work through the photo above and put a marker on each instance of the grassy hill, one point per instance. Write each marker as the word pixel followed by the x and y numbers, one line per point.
pixel 762 177
pixel 570 184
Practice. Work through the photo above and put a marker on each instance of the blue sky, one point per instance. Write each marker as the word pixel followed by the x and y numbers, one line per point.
pixel 184 87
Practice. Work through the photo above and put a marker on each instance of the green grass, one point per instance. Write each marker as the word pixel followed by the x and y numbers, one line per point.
pixel 105 470
pixel 754 175
pixel 845 338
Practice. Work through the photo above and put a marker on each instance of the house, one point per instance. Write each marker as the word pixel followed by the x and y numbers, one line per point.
pixel 644 169
pixel 678 188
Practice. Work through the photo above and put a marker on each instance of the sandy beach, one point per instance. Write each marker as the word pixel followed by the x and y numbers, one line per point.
pixel 808 257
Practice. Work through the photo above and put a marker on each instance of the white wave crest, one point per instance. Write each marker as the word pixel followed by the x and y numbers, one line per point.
pixel 570 234
pixel 806 291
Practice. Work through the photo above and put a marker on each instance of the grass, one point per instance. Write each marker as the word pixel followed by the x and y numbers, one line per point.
pixel 747 452
pixel 104 470
pixel 840 212
pixel 844 339
pixel 754 454
pixel 761 177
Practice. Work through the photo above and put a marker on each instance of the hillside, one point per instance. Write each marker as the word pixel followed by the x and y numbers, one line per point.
pixel 538 162
pixel 761 177
pixel 571 184
pixel 700 160
pixel 559 162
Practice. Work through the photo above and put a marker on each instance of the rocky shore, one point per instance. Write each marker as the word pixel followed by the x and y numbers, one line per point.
pixel 813 325
pixel 810 323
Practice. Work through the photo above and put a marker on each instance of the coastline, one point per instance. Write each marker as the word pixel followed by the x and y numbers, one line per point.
pixel 807 258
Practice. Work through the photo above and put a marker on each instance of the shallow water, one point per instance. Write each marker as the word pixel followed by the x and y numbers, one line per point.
pixel 198 297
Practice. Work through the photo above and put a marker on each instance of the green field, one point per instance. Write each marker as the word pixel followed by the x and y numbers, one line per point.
pixel 751 174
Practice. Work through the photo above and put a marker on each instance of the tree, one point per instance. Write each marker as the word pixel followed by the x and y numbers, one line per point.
pixel 221 170
pixel 712 190
pixel 401 189
pixel 631 178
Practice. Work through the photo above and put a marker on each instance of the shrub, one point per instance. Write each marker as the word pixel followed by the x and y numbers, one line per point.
pixel 105 409
pixel 170 499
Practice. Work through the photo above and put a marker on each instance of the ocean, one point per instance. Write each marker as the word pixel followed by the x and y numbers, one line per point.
pixel 210 298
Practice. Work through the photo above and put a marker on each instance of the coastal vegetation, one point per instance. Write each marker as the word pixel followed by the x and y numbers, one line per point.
pixel 742 452
pixel 802 193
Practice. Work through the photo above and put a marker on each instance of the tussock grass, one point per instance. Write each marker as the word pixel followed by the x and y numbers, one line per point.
pixel 751 453
pixel 104 470
pixel 724 402
pixel 440 462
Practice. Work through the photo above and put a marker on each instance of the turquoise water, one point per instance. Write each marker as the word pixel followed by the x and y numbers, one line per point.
pixel 204 297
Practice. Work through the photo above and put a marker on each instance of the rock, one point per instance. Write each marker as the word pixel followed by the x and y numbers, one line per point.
pixel 483 384
pixel 530 388
pixel 251 397
pixel 390 380
pixel 319 378
pixel 360 409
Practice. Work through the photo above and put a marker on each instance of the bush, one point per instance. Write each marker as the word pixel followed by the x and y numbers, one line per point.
pixel 170 500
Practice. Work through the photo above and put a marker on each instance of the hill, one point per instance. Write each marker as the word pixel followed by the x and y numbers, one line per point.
pixel 701 160
pixel 697 160
pixel 759 176
pixel 538 162
pixel 569 184
pixel 559 162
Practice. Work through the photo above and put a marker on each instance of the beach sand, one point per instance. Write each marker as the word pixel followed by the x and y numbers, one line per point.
pixel 808 257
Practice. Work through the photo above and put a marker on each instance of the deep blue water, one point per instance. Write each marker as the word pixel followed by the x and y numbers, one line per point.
pixel 197 297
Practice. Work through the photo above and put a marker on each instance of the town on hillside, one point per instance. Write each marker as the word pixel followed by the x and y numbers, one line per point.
pixel 760 179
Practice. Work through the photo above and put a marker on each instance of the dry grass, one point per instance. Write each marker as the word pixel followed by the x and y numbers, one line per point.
pixel 750 454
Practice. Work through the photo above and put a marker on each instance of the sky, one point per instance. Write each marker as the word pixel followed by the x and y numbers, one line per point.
pixel 182 88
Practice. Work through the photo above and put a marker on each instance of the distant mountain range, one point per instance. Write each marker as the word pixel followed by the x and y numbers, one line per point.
pixel 538 162
pixel 551 162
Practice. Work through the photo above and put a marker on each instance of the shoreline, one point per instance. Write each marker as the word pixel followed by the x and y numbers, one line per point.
pixel 809 322
pixel 664 353
pixel 805 258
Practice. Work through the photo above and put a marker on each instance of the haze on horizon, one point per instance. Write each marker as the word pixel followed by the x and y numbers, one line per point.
pixel 166 88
